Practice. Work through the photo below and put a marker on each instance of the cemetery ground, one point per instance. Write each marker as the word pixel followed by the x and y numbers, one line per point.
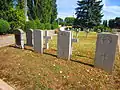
pixel 27 70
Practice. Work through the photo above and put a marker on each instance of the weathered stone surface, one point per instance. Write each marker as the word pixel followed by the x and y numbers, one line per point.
pixel 5 86
pixel 38 41
pixel 29 37
pixel 105 51
pixel 64 44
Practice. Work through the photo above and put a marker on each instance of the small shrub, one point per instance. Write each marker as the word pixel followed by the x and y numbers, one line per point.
pixel 4 26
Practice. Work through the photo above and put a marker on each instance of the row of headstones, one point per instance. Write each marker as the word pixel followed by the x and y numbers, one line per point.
pixel 105 46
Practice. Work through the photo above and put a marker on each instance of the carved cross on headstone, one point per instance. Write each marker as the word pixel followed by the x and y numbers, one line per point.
pixel 104 57
pixel 47 38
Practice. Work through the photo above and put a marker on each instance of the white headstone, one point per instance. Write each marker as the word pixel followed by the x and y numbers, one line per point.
pixel 38 41
pixel 64 44
pixel 105 51
pixel 46 37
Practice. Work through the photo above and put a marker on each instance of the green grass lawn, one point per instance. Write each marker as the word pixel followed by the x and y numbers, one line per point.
pixel 27 70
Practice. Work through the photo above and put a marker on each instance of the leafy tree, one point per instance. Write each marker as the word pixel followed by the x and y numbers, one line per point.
pixel 20 4
pixel 13 14
pixel 54 11
pixel 105 23
pixel 69 21
pixel 89 13
pixel 5 5
pixel 43 10
pixel 31 10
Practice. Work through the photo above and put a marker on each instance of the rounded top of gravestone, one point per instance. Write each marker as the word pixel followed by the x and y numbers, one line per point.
pixel 18 31
pixel 31 29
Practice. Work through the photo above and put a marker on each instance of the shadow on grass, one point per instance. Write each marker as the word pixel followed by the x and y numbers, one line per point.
pixel 20 48
pixel 50 54
pixel 84 56
pixel 82 63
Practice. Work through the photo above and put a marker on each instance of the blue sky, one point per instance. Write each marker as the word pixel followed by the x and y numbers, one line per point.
pixel 111 8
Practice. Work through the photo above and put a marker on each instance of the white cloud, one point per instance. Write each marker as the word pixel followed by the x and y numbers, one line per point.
pixel 110 12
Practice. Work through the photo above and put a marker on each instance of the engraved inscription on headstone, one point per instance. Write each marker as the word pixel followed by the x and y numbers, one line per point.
pixel 38 41
pixel 105 39
pixel 19 38
pixel 64 44
pixel 29 37
pixel 105 51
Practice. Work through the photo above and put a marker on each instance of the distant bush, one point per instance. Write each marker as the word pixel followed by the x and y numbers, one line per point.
pixel 102 28
pixel 4 26
pixel 47 26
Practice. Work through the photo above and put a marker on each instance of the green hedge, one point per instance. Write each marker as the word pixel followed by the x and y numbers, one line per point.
pixel 4 27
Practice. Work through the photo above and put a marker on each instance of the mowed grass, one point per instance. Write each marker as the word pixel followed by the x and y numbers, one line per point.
pixel 28 70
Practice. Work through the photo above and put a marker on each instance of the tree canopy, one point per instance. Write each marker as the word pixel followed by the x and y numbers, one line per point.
pixel 88 13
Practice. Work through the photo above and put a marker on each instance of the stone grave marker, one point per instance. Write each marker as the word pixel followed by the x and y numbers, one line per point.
pixel 47 38
pixel 19 38
pixel 29 37
pixel 64 44
pixel 38 41
pixel 105 51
